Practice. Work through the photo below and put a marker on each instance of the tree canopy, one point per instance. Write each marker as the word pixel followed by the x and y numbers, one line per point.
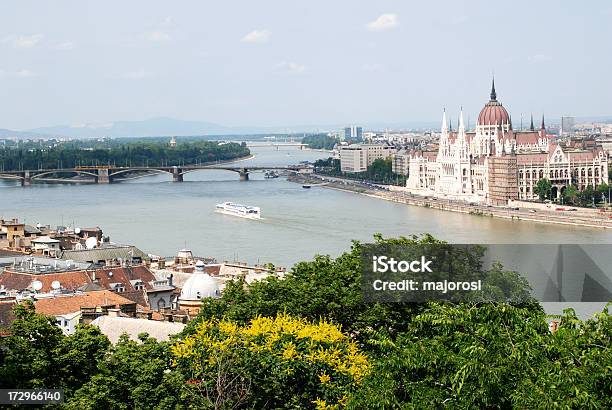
pixel 311 341
pixel 71 154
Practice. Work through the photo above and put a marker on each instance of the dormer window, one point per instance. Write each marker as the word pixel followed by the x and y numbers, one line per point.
pixel 118 287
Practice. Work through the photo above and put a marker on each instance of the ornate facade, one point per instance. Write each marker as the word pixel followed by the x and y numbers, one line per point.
pixel 494 163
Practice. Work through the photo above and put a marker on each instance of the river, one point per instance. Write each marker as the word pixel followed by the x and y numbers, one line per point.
pixel 160 216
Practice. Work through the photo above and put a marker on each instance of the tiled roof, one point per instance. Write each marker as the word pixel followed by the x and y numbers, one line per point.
pixel 71 280
pixel 124 252
pixel 84 279
pixel 106 276
pixel 68 304
pixel 527 137
pixel 526 159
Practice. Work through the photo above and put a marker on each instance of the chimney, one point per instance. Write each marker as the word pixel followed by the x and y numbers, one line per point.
pixel 113 312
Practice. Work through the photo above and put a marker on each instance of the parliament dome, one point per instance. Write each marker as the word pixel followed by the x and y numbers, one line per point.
pixel 493 113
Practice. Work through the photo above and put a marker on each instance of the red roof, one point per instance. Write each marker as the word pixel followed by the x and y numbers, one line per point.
pixel 68 304
pixel 527 137
pixel 493 113
pixel 72 280
pixel 527 159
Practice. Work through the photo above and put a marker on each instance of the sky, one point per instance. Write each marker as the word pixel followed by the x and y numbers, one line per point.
pixel 287 63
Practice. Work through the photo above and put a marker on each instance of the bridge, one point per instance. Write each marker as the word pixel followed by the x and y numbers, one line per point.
pixel 108 174
pixel 276 144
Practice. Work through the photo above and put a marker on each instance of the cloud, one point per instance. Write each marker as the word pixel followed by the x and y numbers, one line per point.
pixel 257 36
pixel 384 22
pixel 65 46
pixel 292 67
pixel 23 41
pixel 157 36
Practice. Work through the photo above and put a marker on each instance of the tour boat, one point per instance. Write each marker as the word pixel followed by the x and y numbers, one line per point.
pixel 242 211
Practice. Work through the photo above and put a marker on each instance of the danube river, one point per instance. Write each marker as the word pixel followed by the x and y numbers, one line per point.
pixel 161 217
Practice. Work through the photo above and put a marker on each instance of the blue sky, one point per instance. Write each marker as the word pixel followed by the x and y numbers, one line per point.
pixel 273 63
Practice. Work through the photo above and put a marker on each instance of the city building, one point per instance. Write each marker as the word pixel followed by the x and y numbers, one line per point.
pixel 200 285
pixel 13 231
pixel 66 308
pixel 353 133
pixel 46 246
pixel 400 162
pixel 357 157
pixel 36 276
pixel 495 163
pixel 567 126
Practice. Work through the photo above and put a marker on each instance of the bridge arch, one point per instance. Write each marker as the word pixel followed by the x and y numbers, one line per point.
pixel 60 171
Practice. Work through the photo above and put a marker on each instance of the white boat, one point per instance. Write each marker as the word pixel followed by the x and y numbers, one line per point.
pixel 242 211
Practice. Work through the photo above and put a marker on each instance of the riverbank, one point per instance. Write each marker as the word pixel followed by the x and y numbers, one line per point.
pixel 575 218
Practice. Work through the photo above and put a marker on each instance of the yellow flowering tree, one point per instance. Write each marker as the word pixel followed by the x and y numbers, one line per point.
pixel 272 362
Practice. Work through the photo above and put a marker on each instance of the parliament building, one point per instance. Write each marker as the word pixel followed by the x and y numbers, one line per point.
pixel 494 163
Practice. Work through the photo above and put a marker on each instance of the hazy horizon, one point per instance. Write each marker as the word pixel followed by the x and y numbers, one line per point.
pixel 271 64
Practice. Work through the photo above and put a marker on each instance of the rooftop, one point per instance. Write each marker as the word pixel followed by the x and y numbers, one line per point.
pixel 73 303
pixel 114 327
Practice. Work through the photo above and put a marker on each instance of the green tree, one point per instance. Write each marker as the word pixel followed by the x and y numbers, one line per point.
pixel 36 354
pixel 543 189
pixel 570 195
pixel 587 196
pixel 331 289
pixel 604 192
pixel 575 370
pixel 135 375
pixel 27 355
pixel 320 141
pixel 490 356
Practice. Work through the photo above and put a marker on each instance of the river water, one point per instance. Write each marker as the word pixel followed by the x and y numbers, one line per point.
pixel 160 216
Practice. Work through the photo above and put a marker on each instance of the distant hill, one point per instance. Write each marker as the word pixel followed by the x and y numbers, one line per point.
pixel 4 133
pixel 151 127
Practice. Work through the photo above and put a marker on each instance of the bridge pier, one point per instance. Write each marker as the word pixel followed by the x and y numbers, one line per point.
pixel 177 175
pixel 27 179
pixel 103 176
pixel 244 174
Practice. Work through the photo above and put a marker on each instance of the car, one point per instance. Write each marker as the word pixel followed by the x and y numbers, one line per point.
pixel 533 211
pixel 559 209
pixel 572 209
